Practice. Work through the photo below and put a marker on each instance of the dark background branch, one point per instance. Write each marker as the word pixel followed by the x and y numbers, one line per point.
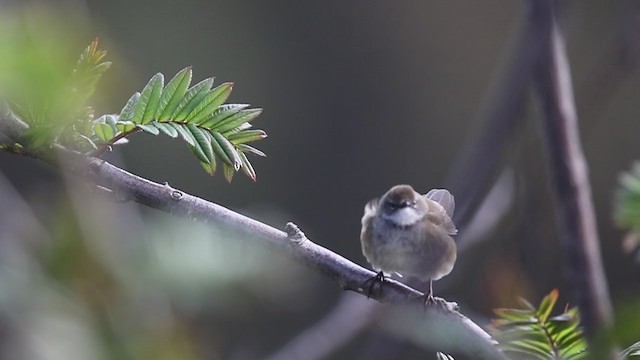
pixel 571 188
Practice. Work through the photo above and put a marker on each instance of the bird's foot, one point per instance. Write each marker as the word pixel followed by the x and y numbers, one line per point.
pixel 370 283
pixel 426 300
pixel 430 300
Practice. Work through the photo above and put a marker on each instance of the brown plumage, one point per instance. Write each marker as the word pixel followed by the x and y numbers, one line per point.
pixel 410 234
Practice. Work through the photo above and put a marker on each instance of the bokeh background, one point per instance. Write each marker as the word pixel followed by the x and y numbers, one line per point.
pixel 357 96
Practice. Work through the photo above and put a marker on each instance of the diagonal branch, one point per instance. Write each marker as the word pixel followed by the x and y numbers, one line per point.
pixel 571 188
pixel 292 243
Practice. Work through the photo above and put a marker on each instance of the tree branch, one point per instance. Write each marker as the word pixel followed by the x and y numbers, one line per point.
pixel 292 243
pixel 572 191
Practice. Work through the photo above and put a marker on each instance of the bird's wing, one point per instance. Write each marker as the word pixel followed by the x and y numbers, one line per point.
pixel 444 198
pixel 371 206
pixel 447 204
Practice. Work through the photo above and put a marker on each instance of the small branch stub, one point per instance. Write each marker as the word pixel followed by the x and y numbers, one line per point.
pixel 294 233
pixel 176 195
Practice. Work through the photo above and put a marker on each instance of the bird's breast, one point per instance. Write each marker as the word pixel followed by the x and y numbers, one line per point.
pixel 423 250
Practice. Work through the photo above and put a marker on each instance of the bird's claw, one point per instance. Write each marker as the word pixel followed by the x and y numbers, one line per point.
pixel 369 284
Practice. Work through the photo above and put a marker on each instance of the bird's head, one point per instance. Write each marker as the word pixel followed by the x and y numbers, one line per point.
pixel 402 206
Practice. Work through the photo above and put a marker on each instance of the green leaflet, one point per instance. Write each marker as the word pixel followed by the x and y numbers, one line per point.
pixel 632 351
pixel 197 151
pixel 110 119
pixel 203 140
pixel 238 119
pixel 209 103
pixel 246 167
pixel 184 133
pixel 547 304
pixel 443 356
pixel 166 128
pixel 173 93
pixel 193 97
pixel 147 105
pixel 228 149
pixel 247 136
pixel 104 131
pixel 223 112
pixel 211 167
pixel 218 150
pixel 104 127
pixel 88 71
pixel 149 128
pixel 239 128
pixel 250 149
pixel 228 171
pixel 125 126
pixel 127 111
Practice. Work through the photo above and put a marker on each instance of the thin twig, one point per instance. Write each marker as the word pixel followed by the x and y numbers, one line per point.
pixel 572 191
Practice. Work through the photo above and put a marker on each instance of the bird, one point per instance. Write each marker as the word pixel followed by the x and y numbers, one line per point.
pixel 410 234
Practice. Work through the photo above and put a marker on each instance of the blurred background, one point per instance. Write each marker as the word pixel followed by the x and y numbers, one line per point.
pixel 357 96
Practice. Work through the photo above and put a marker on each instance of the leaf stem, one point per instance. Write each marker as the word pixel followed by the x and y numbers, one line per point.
pixel 101 150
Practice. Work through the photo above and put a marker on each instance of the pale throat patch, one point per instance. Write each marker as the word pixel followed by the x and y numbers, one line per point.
pixel 404 217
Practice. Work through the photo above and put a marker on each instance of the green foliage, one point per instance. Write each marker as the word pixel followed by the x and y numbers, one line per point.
pixel 212 130
pixel 627 210
pixel 88 72
pixel 632 352
pixel 53 105
pixel 217 133
pixel 532 333
pixel 443 356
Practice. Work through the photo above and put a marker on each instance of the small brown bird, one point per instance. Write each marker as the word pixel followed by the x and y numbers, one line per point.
pixel 410 234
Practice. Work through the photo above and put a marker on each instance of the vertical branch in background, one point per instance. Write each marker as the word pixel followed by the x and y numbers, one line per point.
pixel 572 192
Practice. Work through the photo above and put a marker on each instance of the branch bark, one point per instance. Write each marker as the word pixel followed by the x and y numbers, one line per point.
pixel 292 243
